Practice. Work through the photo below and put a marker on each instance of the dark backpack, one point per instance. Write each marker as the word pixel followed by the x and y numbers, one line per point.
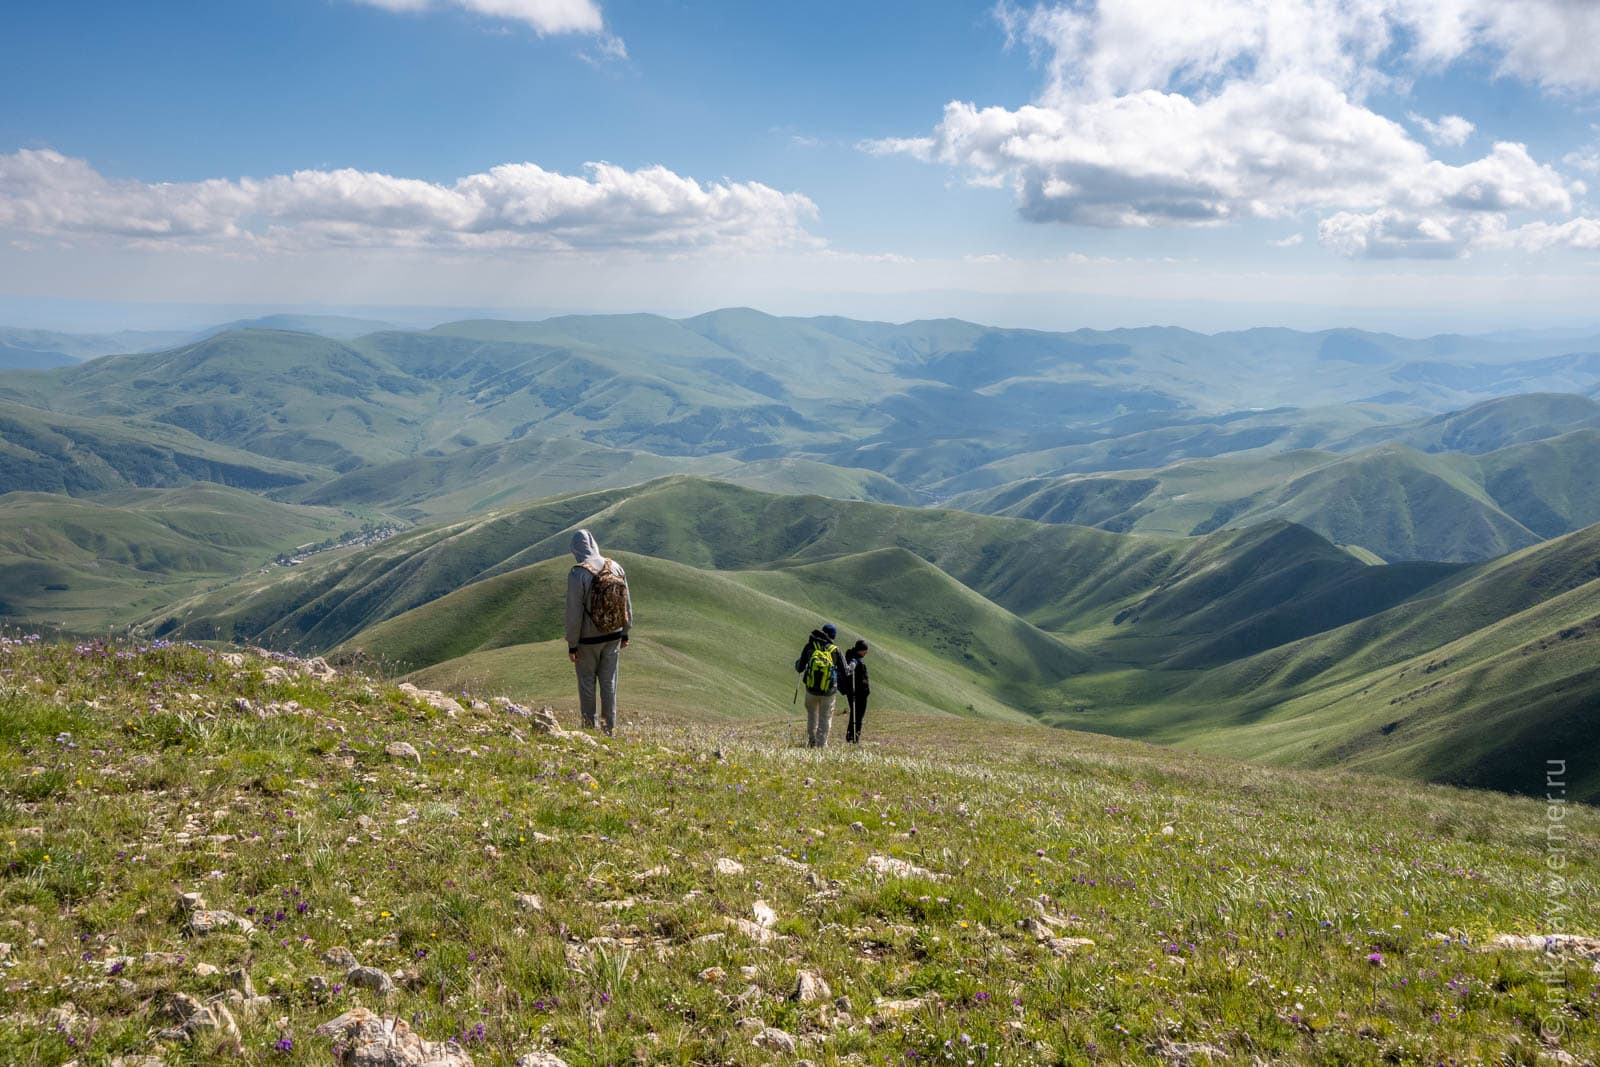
pixel 608 600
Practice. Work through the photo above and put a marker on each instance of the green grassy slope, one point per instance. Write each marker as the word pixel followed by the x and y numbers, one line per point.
pixel 1490 425
pixel 85 563
pixel 1267 640
pixel 1262 915
pixel 1475 680
pixel 1398 503
pixel 46 451
pixel 1144 598
pixel 710 644
pixel 476 479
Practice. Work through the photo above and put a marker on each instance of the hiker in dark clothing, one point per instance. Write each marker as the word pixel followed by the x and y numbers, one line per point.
pixel 856 688
pixel 820 667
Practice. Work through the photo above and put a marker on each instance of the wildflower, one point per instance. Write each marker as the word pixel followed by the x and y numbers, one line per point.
pixel 284 1044
pixel 1375 958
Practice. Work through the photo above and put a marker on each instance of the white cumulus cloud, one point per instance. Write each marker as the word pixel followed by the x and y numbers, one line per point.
pixel 1450 131
pixel 545 16
pixel 513 206
pixel 1164 112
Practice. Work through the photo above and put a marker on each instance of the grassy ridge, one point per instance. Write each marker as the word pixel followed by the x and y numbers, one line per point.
pixel 86 563
pixel 1271 915
pixel 1397 502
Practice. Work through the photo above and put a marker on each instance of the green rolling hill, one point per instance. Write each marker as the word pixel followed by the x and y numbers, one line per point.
pixel 50 452
pixel 1391 500
pixel 1268 640
pixel 85 563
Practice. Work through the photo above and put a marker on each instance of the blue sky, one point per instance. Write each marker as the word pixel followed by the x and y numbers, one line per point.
pixel 1105 161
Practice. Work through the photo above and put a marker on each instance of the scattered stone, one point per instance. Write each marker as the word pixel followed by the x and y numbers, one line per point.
pixel 243 706
pixel 239 978
pixel 731 868
pixel 748 971
pixel 859 827
pixel 206 921
pixel 340 956
pixel 528 902
pixel 191 902
pixel 653 872
pixel 318 668
pixel 402 750
pixel 138 1061
pixel 205 970
pixel 318 985
pixel 770 1037
pixel 371 978
pixel 1562 944
pixel 587 780
pixel 1066 946
pixel 811 987
pixel 194 1017
pixel 713 975
pixel 365 1039
pixel 764 914
pixel 1188 1051
pixel 63 1016
pixel 116 964
pixel 754 931
pixel 540 1059
pixel 433 698
pixel 889 866
pixel 895 1008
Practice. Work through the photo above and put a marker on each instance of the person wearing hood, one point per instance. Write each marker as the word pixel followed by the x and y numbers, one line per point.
pixel 599 615
pixel 820 667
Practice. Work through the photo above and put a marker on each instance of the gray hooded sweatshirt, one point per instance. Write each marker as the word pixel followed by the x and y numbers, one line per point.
pixel 581 629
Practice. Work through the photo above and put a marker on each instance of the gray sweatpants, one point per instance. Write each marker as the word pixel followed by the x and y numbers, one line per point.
pixel 598 663
pixel 819 716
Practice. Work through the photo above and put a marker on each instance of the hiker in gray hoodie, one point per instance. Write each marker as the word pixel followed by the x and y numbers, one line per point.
pixel 599 614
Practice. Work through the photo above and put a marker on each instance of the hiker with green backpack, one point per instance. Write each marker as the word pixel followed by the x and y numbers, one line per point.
pixel 599 614
pixel 820 667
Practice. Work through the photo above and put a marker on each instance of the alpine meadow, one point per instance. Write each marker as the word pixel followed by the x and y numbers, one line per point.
pixel 1167 435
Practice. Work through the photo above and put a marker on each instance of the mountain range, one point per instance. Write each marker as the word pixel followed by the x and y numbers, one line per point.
pixel 1314 548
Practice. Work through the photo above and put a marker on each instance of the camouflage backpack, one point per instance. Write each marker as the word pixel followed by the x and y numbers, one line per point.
pixel 608 600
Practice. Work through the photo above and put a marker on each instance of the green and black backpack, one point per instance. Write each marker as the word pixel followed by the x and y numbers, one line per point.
pixel 818 676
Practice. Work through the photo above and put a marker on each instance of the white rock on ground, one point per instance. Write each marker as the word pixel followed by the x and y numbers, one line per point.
pixel 366 1039
pixel 770 1037
pixel 729 867
pixel 764 914
pixel 889 866
pixel 754 931
pixel 540 1059
pixel 206 921
pixel 371 978
pixel 194 1017
pixel 340 956
pixel 433 698
pixel 402 750
pixel 811 987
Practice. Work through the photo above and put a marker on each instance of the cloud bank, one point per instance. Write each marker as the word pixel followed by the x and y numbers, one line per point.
pixel 513 206
pixel 1162 112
